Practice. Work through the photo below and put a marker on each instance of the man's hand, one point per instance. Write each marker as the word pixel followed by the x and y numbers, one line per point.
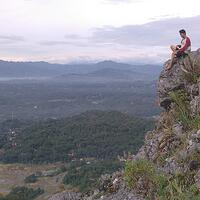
pixel 175 53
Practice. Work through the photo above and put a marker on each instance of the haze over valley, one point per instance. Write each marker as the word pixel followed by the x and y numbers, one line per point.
pixel 39 90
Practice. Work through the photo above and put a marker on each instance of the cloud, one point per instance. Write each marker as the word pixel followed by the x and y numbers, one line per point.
pixel 69 39
pixel 74 36
pixel 122 1
pixel 157 33
pixel 63 42
pixel 54 43
pixel 10 39
pixel 145 42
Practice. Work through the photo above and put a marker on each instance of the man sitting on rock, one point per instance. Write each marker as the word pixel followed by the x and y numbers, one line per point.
pixel 180 50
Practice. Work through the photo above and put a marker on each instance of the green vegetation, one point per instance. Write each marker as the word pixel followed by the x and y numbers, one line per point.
pixel 96 134
pixel 195 122
pixel 90 142
pixel 191 77
pixel 194 156
pixel 183 111
pixel 179 187
pixel 31 179
pixel 12 175
pixel 23 193
pixel 7 126
pixel 157 185
pixel 181 100
pixel 143 170
pixel 134 170
pixel 85 176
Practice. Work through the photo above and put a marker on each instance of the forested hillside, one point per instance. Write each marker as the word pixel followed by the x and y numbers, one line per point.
pixel 92 134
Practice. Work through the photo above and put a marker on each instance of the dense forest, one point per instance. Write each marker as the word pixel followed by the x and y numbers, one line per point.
pixel 89 143
pixel 92 134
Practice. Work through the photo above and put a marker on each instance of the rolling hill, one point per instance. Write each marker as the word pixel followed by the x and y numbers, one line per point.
pixel 92 134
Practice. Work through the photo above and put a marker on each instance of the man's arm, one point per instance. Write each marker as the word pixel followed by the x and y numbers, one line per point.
pixel 187 44
pixel 178 47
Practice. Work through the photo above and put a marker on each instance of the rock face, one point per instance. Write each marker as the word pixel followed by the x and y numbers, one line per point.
pixel 169 81
pixel 112 187
pixel 174 144
pixel 169 130
pixel 175 78
pixel 66 196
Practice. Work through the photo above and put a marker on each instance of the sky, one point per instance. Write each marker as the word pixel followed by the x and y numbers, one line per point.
pixel 74 31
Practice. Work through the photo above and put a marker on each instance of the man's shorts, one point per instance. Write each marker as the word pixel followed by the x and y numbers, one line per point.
pixel 179 54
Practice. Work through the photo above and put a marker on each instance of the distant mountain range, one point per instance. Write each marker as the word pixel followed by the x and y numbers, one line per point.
pixel 104 69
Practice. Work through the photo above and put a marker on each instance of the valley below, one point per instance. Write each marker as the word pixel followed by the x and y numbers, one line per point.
pixel 63 126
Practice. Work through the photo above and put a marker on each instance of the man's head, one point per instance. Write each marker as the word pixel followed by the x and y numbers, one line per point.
pixel 182 33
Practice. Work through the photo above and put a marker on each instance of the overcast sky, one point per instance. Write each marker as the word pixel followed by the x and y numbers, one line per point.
pixel 66 31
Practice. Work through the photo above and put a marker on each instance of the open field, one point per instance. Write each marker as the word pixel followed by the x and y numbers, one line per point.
pixel 12 175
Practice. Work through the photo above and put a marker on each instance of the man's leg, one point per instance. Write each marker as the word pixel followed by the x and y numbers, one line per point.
pixel 173 57
pixel 173 47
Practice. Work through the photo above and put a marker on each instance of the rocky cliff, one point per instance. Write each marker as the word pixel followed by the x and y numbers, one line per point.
pixel 168 164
